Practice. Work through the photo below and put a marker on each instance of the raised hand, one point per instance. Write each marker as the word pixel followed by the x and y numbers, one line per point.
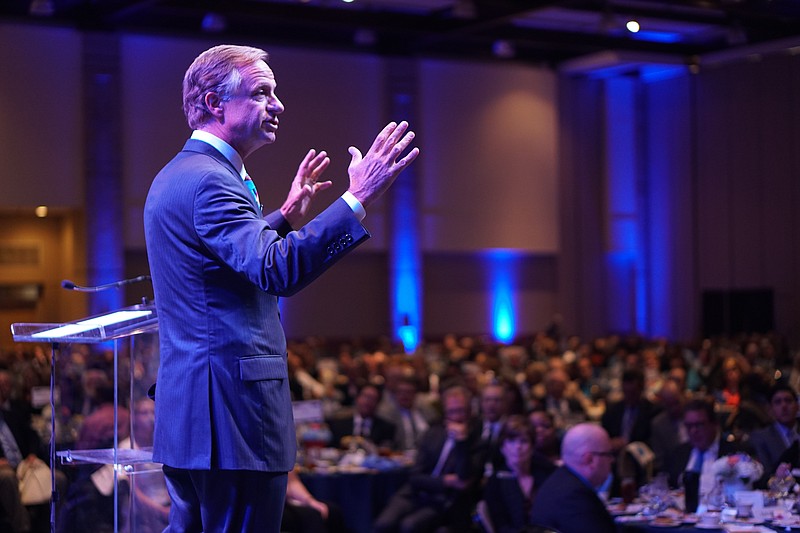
pixel 305 186
pixel 374 172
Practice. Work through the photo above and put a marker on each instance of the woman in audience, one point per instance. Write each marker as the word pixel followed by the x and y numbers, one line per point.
pixel 509 493
pixel 548 442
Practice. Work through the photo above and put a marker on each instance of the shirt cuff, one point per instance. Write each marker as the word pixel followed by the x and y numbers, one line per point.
pixel 355 205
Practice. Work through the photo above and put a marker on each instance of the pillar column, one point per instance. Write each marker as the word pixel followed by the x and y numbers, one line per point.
pixel 405 256
pixel 103 178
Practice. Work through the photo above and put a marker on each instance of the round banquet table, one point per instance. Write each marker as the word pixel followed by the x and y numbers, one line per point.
pixel 360 494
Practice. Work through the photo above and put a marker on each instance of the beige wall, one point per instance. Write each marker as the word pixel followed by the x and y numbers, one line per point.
pixel 488 171
pixel 41 122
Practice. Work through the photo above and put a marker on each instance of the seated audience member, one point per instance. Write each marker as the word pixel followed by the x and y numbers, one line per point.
pixel 494 407
pixel 548 443
pixel 302 513
pixel 703 447
pixel 438 493
pixel 150 501
pixel 89 504
pixel 18 443
pixel 567 501
pixel 509 493
pixel 628 420
pixel 363 422
pixel 667 430
pixel 771 441
pixel 565 408
pixel 409 420
pixel 730 394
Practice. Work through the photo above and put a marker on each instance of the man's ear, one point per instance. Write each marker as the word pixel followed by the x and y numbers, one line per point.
pixel 586 458
pixel 214 104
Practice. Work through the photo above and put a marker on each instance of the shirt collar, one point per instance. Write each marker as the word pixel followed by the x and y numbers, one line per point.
pixel 579 476
pixel 224 148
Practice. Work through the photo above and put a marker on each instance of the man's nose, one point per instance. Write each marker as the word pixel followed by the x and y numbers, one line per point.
pixel 276 106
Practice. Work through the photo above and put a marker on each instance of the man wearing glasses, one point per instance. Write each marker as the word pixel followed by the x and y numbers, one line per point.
pixel 703 448
pixel 568 500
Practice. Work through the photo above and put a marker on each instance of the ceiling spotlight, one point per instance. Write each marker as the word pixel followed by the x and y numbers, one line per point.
pixel 214 23
pixel 632 26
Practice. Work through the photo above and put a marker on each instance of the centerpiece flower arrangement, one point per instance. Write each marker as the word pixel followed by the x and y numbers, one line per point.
pixel 736 472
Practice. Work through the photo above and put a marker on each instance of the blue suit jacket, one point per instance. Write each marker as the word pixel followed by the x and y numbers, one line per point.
pixel 218 268
pixel 566 503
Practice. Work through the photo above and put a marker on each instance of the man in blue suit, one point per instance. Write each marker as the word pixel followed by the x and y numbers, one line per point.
pixel 224 428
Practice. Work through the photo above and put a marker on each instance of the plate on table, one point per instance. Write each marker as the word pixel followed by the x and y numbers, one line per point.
pixel 747 528
pixel 752 521
pixel 791 524
pixel 708 526
pixel 622 509
pixel 690 518
pixel 662 521
pixel 631 519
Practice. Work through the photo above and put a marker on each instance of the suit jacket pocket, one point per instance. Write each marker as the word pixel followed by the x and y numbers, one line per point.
pixel 262 367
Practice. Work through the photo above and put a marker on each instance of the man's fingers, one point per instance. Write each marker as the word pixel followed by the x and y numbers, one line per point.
pixel 307 159
pixel 355 155
pixel 398 132
pixel 411 156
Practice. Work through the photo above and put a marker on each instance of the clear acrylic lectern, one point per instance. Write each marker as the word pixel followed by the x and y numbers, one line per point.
pixel 118 462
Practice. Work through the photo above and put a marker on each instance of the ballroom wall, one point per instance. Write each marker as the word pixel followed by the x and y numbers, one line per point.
pixel 488 173
pixel 714 170
pixel 618 202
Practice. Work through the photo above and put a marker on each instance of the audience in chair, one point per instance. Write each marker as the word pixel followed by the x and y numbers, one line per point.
pixel 568 500
pixel 704 446
pixel 438 493
pixel 509 493
pixel 363 423
pixel 412 393
pixel 770 442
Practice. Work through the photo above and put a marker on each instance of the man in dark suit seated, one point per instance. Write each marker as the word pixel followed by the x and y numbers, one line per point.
pixel 494 411
pixel 703 448
pixel 363 422
pixel 567 501
pixel 628 420
pixel 440 486
pixel 666 428
pixel 771 441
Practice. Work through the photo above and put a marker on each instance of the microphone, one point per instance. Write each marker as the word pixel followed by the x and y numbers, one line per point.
pixel 70 286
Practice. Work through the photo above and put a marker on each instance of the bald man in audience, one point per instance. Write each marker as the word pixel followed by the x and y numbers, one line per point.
pixel 568 500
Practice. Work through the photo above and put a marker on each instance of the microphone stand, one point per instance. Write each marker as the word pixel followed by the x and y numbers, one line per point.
pixel 69 285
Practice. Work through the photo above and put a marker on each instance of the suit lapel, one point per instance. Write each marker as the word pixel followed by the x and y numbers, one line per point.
pixel 194 145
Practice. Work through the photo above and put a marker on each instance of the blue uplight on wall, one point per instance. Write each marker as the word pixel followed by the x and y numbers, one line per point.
pixel 407 306
pixel 405 257
pixel 502 282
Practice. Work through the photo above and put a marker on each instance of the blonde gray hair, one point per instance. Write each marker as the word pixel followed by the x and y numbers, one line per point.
pixel 216 70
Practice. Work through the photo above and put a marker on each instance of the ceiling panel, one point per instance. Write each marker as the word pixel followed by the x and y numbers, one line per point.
pixel 536 31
